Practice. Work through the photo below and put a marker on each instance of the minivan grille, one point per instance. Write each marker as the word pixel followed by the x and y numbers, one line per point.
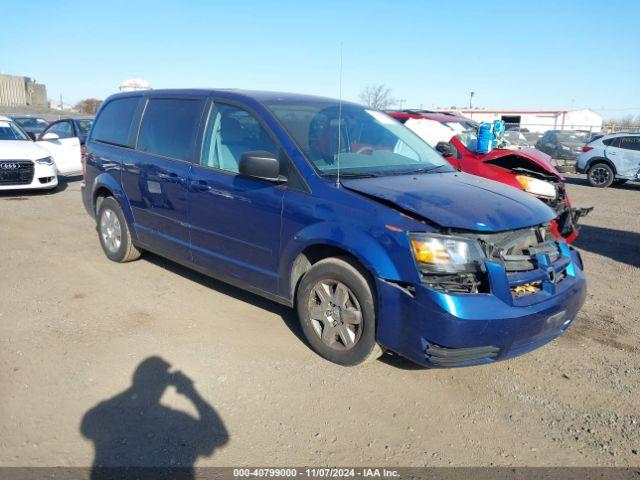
pixel 16 172
pixel 517 249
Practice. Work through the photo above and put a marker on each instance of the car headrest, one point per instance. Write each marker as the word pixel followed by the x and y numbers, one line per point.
pixel 231 131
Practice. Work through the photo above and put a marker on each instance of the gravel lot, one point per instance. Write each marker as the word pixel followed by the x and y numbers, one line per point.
pixel 75 327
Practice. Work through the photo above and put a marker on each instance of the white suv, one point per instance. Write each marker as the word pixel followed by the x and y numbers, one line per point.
pixel 23 164
pixel 612 159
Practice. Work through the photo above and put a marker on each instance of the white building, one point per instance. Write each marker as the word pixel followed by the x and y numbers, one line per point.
pixel 134 84
pixel 539 120
pixel 56 105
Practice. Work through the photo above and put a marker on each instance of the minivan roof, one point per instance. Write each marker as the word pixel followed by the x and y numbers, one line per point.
pixel 232 93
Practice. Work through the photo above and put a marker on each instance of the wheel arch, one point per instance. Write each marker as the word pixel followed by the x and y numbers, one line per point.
pixel 313 253
pixel 105 185
pixel 604 160
pixel 325 240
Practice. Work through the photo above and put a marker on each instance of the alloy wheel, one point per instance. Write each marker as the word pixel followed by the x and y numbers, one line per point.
pixel 599 175
pixel 110 230
pixel 335 314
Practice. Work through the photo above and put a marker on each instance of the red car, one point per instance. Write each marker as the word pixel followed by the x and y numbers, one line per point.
pixel 526 169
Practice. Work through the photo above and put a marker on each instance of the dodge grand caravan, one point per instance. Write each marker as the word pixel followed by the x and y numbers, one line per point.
pixel 337 210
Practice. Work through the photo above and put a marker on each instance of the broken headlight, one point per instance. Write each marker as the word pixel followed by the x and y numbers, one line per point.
pixel 537 187
pixel 449 263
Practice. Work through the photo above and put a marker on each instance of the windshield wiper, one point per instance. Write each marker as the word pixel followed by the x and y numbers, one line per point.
pixel 419 170
pixel 351 175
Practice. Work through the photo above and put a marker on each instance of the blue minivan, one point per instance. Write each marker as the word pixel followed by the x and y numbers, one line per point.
pixel 337 210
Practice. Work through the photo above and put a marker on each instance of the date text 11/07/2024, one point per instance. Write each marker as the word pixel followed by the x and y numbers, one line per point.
pixel 316 472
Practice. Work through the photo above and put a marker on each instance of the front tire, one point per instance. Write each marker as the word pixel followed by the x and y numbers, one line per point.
pixel 600 175
pixel 114 234
pixel 337 313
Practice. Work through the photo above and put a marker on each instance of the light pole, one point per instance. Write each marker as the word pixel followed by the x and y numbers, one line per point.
pixel 471 95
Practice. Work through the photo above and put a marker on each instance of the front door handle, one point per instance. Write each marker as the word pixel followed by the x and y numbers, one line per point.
pixel 200 186
pixel 171 176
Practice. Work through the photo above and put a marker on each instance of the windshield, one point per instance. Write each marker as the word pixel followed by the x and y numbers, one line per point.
pixel 10 131
pixel 84 125
pixel 367 142
pixel 31 122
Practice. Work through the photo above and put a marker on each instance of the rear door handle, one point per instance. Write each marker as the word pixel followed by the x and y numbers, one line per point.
pixel 200 186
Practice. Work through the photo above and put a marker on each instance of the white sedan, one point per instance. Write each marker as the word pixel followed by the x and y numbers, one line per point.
pixel 23 164
pixel 63 139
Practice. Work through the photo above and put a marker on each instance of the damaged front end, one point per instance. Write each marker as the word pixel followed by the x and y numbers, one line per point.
pixel 530 257
pixel 548 186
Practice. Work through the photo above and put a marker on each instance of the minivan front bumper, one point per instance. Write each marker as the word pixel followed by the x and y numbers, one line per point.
pixel 440 329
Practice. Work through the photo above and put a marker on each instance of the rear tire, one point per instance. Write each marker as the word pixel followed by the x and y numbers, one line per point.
pixel 114 234
pixel 600 175
pixel 337 313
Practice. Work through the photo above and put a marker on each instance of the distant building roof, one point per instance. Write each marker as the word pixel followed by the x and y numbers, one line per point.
pixel 134 84
pixel 511 111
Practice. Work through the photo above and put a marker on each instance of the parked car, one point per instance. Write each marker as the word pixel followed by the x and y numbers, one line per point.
pixel 532 137
pixel 336 210
pixel 516 139
pixel 611 160
pixel 33 126
pixel 65 140
pixel 23 164
pixel 594 136
pixel 70 127
pixel 525 169
pixel 563 144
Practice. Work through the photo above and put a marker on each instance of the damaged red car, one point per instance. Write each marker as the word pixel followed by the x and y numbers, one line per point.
pixel 526 169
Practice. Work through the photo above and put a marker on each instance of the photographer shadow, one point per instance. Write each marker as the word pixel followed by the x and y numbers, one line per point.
pixel 135 436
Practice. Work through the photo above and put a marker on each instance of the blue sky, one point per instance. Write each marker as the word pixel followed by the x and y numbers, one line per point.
pixel 516 54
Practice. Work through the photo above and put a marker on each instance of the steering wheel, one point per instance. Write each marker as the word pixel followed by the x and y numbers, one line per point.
pixel 365 149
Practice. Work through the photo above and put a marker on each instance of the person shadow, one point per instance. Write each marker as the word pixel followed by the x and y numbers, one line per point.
pixel 135 436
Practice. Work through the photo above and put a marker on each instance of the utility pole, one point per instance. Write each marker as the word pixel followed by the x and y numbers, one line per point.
pixel 471 95
pixel 401 101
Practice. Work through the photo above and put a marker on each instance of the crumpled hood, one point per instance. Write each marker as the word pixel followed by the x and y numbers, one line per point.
pixel 21 150
pixel 457 200
pixel 536 156
pixel 533 155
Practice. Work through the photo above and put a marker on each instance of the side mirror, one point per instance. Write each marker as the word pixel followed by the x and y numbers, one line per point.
pixel 260 164
pixel 32 136
pixel 50 136
pixel 444 148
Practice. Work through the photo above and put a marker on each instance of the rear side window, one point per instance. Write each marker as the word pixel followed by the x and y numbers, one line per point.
pixel 113 126
pixel 630 143
pixel 611 142
pixel 169 127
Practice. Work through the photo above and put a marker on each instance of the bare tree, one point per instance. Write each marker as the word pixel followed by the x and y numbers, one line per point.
pixel 88 105
pixel 377 96
pixel 628 123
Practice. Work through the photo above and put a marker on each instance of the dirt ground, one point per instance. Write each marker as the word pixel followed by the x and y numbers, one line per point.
pixel 75 327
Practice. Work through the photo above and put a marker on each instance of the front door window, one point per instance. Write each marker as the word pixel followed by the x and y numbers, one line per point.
pixel 232 131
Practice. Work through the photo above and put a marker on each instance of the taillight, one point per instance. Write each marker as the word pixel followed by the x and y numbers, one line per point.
pixel 83 156
pixel 586 148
